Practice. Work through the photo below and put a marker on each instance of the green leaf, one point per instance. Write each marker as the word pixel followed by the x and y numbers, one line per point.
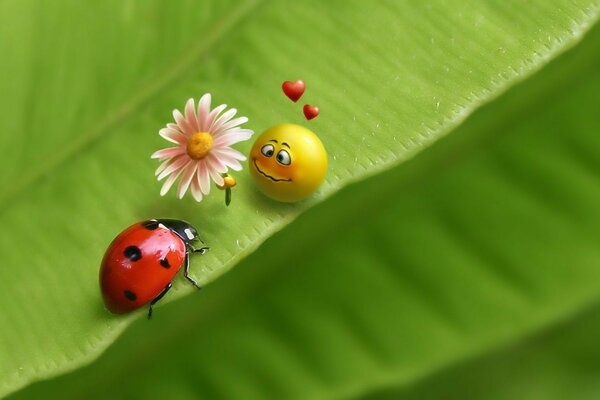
pixel 91 84
pixel 556 364
pixel 478 243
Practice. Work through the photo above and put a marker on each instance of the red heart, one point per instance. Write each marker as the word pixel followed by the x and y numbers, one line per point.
pixel 293 90
pixel 310 112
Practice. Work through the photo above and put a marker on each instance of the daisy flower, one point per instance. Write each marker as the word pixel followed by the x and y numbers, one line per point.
pixel 202 153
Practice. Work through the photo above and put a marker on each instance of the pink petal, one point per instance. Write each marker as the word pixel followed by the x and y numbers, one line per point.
pixel 213 114
pixel 186 179
pixel 215 175
pixel 225 117
pixel 175 127
pixel 195 189
pixel 190 115
pixel 182 123
pixel 230 125
pixel 167 163
pixel 203 112
pixel 232 137
pixel 176 165
pixel 169 182
pixel 173 136
pixel 215 164
pixel 203 178
pixel 168 152
pixel 229 152
pixel 164 165
pixel 230 162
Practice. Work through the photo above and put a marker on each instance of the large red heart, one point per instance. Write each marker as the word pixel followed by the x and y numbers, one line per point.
pixel 310 112
pixel 293 90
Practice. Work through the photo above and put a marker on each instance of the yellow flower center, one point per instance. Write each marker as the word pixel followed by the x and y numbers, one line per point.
pixel 199 145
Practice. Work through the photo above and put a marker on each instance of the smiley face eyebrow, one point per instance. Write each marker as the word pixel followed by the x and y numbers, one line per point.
pixel 285 144
pixel 273 140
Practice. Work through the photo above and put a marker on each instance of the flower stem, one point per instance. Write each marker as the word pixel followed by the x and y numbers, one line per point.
pixel 227 196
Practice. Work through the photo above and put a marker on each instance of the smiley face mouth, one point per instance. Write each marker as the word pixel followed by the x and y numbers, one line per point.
pixel 269 176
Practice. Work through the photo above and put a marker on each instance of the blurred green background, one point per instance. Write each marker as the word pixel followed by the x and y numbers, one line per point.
pixel 471 270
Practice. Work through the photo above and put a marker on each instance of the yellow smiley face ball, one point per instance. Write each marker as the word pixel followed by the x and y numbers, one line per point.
pixel 288 162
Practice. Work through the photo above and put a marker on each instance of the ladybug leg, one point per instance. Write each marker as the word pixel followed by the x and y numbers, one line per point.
pixel 157 298
pixel 201 250
pixel 186 272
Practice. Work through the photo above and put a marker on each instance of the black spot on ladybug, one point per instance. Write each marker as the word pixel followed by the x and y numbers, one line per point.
pixel 165 263
pixel 150 225
pixel 130 295
pixel 133 253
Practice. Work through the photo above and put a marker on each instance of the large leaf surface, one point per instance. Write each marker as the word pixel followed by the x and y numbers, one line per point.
pixel 87 86
pixel 486 239
pixel 560 363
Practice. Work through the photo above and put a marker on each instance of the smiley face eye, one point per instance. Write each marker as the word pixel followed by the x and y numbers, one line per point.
pixel 267 150
pixel 283 157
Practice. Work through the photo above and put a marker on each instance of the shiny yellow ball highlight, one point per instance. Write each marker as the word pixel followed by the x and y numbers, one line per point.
pixel 288 162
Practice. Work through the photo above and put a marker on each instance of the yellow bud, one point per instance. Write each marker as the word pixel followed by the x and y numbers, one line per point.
pixel 228 182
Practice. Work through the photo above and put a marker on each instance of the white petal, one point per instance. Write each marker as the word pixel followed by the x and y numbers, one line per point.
pixel 234 165
pixel 190 115
pixel 203 178
pixel 195 189
pixel 173 136
pixel 232 137
pixel 213 115
pixel 169 182
pixel 230 125
pixel 177 165
pixel 222 120
pixel 203 112
pixel 188 173
pixel 229 152
pixel 182 123
pixel 168 152
pixel 216 164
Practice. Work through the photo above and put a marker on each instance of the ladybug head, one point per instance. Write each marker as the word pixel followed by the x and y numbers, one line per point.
pixel 183 229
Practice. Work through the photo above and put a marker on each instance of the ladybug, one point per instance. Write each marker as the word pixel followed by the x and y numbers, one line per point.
pixel 141 262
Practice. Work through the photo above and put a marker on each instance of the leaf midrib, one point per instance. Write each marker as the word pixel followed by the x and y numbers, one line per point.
pixel 146 94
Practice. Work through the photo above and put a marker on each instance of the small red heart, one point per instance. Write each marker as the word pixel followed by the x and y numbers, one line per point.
pixel 310 112
pixel 293 90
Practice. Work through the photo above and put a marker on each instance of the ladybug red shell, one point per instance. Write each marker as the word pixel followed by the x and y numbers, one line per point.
pixel 141 262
